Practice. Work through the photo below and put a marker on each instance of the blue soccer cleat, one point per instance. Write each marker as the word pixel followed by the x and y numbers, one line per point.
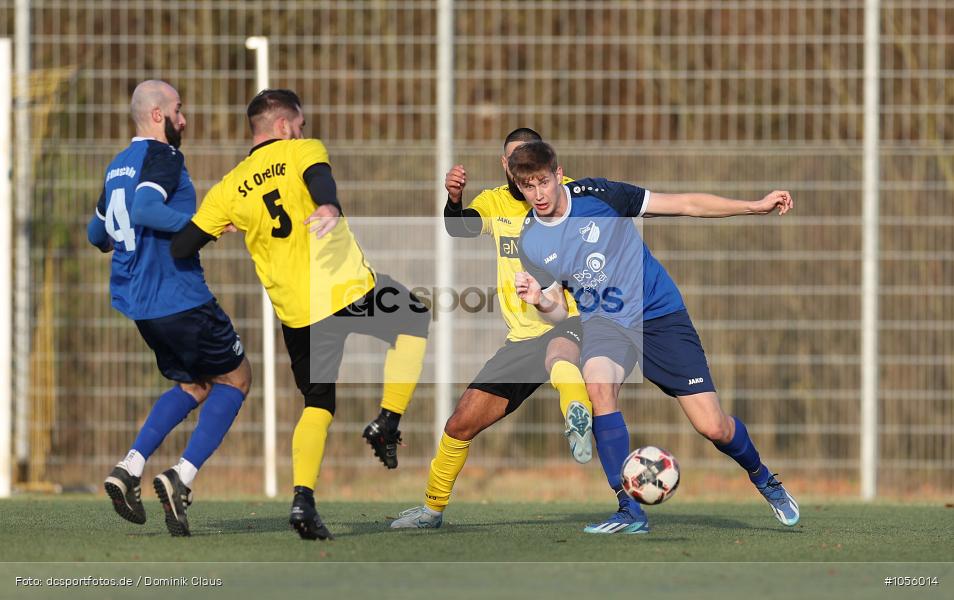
pixel 783 505
pixel 630 518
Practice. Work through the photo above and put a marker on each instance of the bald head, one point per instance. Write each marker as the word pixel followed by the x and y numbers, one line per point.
pixel 150 95
pixel 155 108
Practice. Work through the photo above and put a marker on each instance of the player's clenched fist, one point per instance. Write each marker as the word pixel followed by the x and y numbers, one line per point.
pixel 454 183
pixel 528 288
pixel 780 200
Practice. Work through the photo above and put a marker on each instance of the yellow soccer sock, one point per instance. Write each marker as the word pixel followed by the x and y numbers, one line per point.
pixel 308 445
pixel 568 382
pixel 402 369
pixel 446 466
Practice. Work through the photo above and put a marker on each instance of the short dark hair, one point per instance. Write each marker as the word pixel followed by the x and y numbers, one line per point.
pixel 268 101
pixel 522 134
pixel 531 158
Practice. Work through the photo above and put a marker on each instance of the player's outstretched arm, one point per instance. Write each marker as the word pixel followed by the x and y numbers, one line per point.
pixel 551 303
pixel 711 206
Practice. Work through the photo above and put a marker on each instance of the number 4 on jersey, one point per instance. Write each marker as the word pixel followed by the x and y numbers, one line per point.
pixel 118 225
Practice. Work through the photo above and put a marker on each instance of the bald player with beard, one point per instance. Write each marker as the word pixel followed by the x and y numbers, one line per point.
pixel 147 195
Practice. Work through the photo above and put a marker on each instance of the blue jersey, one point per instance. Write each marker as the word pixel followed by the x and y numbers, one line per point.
pixel 146 282
pixel 595 251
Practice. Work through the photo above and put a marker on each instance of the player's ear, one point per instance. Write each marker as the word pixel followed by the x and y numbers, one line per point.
pixel 157 116
pixel 503 162
pixel 559 173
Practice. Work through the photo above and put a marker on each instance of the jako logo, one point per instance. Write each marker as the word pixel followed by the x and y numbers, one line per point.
pixel 550 259
pixel 591 233
pixel 695 381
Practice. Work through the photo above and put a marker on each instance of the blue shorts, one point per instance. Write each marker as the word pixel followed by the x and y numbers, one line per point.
pixel 668 351
pixel 195 344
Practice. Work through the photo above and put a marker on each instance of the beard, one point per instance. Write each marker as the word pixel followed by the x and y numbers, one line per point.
pixel 514 190
pixel 173 135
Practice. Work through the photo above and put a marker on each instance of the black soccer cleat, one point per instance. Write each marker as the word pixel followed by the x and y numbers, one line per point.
pixel 175 497
pixel 125 492
pixel 304 518
pixel 384 441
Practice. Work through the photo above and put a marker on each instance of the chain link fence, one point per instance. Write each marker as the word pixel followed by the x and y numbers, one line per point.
pixel 730 97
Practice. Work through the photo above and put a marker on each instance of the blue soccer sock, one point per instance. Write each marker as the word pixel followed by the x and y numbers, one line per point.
pixel 168 411
pixel 742 450
pixel 220 409
pixel 612 444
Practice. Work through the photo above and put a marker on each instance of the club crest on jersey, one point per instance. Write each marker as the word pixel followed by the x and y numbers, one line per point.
pixel 590 233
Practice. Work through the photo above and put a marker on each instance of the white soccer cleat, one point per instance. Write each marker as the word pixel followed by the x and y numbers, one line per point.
pixel 579 432
pixel 419 517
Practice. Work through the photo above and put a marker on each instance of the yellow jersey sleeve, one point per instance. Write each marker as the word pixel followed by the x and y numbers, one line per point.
pixel 306 153
pixel 213 214
pixel 486 206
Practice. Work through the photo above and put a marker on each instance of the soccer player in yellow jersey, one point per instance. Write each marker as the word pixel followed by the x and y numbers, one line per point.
pixel 283 197
pixel 535 351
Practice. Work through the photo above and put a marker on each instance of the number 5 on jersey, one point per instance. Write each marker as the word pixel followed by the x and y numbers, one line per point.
pixel 277 211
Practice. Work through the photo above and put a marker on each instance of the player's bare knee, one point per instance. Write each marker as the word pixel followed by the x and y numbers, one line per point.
pixel 561 349
pixel 603 397
pixel 459 428
pixel 240 378
pixel 476 410
pixel 198 390
pixel 715 430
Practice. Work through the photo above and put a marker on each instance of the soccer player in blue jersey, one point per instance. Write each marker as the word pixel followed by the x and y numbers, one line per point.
pixel 147 195
pixel 581 236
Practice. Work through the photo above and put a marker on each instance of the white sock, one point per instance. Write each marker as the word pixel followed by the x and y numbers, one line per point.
pixel 134 463
pixel 186 470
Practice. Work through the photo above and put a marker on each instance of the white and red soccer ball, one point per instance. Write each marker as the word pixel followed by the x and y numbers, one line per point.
pixel 650 475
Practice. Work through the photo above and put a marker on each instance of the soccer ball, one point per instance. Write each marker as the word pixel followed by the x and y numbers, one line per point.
pixel 650 475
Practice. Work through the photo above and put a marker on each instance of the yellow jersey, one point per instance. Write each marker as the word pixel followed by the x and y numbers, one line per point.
pixel 502 215
pixel 265 196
